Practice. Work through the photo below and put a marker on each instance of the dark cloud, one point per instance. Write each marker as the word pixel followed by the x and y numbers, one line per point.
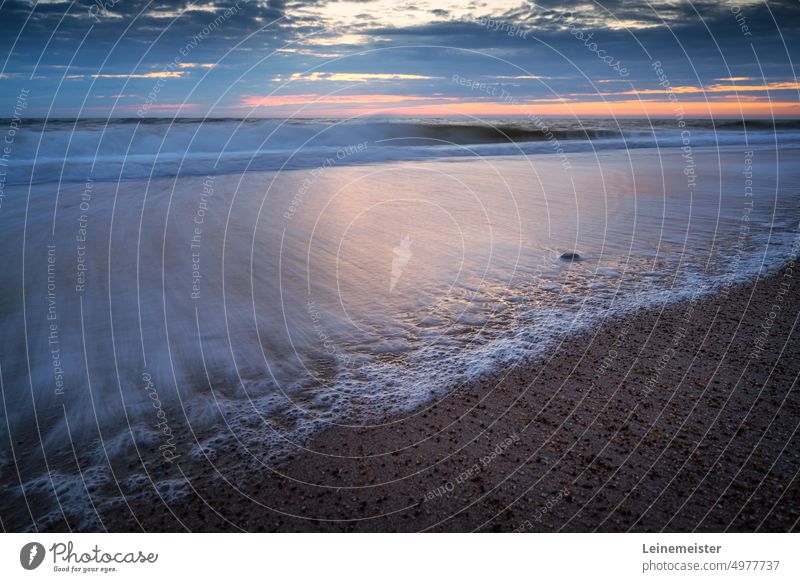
pixel 698 42
pixel 700 45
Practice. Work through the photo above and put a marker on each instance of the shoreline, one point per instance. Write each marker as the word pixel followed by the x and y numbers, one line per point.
pixel 679 418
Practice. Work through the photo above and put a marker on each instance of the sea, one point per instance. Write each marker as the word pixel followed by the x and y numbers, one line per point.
pixel 173 289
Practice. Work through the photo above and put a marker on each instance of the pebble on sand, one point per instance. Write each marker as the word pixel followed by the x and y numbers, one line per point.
pixel 570 257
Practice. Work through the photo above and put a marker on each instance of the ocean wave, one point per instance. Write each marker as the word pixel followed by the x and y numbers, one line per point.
pixel 74 150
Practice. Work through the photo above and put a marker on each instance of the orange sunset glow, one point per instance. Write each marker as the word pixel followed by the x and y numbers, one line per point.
pixel 420 105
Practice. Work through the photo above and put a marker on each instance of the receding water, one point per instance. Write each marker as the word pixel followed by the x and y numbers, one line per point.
pixel 261 306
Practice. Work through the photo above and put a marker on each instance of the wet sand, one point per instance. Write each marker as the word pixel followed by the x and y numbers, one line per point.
pixel 682 418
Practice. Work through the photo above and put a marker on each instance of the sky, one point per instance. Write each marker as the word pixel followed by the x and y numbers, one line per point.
pixel 328 58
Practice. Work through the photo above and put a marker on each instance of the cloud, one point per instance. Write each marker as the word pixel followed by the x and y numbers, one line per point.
pixel 520 77
pixel 196 65
pixel 399 50
pixel 718 88
pixel 118 96
pixel 313 98
pixel 153 75
pixel 163 12
pixel 351 77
